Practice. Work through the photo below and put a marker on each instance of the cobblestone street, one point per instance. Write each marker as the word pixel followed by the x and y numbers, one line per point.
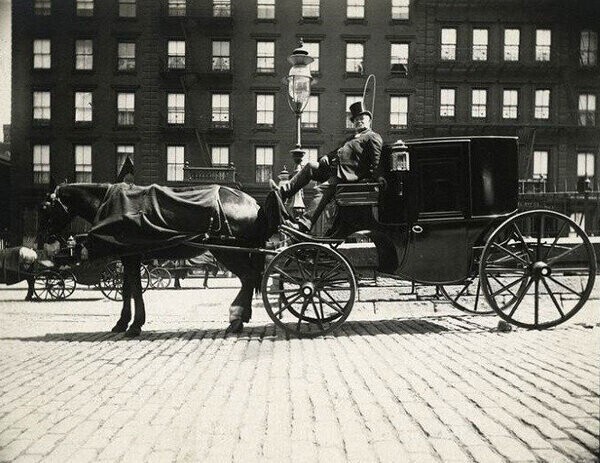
pixel 398 382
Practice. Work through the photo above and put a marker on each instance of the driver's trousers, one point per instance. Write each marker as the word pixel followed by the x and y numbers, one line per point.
pixel 324 192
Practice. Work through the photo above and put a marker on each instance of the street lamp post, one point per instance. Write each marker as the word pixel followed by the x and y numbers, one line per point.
pixel 299 81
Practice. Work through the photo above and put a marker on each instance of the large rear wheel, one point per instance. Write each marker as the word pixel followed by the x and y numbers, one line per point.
pixel 309 289
pixel 547 261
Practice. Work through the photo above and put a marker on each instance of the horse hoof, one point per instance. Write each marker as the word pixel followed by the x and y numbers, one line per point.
pixel 236 326
pixel 247 315
pixel 119 328
pixel 133 332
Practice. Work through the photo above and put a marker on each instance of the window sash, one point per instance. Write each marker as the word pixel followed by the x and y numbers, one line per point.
pixel 354 57
pixel 511 44
pixel 42 7
pixel 124 152
pixel 311 8
pixel 83 106
pixel 220 55
pixel 480 44
pixel 585 165
pixel 310 116
pixel 41 164
pixel 400 9
pixel 219 155
pixel 84 54
pixel 220 107
pixel 265 9
pixel 175 108
pixel 314 50
pixel 41 54
pixel 175 163
pixel 126 56
pixel 84 7
pixel 543 43
pixel 41 106
pixel 127 8
pixel 83 163
pixel 265 56
pixel 542 104
pixel 221 8
pixel 126 109
pixel 588 48
pixel 398 111
pixel 447 102
pixel 510 104
pixel 176 7
pixel 479 103
pixel 355 9
pixel 540 165
pixel 587 109
pixel 399 53
pixel 264 164
pixel 265 109
pixel 448 44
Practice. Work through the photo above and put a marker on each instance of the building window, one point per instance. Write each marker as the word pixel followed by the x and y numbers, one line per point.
pixel 480 44
pixel 127 8
pixel 310 155
pixel 265 109
pixel 543 42
pixel 542 104
pixel 264 164
pixel 126 56
pixel 588 48
pixel 511 44
pixel 510 104
pixel 84 7
pixel 41 107
pixel 350 100
pixel 176 7
pixel 41 164
pixel 42 7
pixel 41 54
pixel 175 163
pixel 124 152
pixel 176 54
pixel 221 8
pixel 398 57
pixel 585 165
pixel 83 163
pixel 220 109
pixel 314 50
pixel 265 57
pixel 125 109
pixel 355 9
pixel 354 57
pixel 175 108
pixel 448 48
pixel 587 109
pixel 447 102
pixel 219 156
pixel 84 55
pixel 400 9
pixel 579 219
pixel 310 116
pixel 221 61
pixel 478 103
pixel 83 106
pixel 310 8
pixel 540 165
pixel 265 9
pixel 399 112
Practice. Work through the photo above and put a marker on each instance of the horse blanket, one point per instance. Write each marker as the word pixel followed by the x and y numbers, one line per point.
pixel 16 264
pixel 142 219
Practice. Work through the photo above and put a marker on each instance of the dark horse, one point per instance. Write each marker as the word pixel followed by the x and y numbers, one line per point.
pixel 248 226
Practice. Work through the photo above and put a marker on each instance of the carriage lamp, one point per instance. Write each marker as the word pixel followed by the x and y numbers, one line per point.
pixel 298 81
pixel 399 157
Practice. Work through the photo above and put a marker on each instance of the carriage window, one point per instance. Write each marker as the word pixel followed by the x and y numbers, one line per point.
pixel 83 163
pixel 310 8
pixel 310 115
pixel 219 156
pixel 510 104
pixel 265 9
pixel 540 165
pixel 84 7
pixel 176 7
pixel 313 49
pixel 588 48
pixel 448 48
pixel 175 163
pixel 400 9
pixel 125 109
pixel 41 164
pixel 221 60
pixel 265 109
pixel 264 164
pixel 478 102
pixel 83 106
pixel 355 9
pixel 480 44
pixel 127 8
pixel 126 56
pixel 124 152
pixel 42 7
pixel 354 57
pixel 543 40
pixel 265 57
pixel 41 54
pixel 587 109
pixel 84 55
pixel 542 104
pixel 511 44
pixel 175 108
pixel 221 8
pixel 398 112
pixel 41 107
pixel 585 165
pixel 176 54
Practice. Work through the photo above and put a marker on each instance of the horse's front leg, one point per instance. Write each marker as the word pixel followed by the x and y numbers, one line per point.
pixel 125 318
pixel 240 310
pixel 136 289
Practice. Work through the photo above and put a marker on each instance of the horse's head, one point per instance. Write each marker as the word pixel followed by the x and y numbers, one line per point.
pixel 53 216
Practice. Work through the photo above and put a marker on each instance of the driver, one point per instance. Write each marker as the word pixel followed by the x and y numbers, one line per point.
pixel 355 161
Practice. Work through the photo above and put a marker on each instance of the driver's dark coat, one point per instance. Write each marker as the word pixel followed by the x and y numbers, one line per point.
pixel 359 156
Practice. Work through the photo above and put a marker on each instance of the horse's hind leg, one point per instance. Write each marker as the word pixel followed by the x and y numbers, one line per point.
pixel 125 318
pixel 136 289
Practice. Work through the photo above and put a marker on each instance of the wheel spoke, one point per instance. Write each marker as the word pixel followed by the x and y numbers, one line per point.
pixel 507 287
pixel 564 254
pixel 319 317
pixel 539 243
pixel 556 304
pixel 517 270
pixel 304 306
pixel 517 303
pixel 554 280
pixel 330 273
pixel 510 253
pixel 556 239
pixel 287 305
pixel 536 303
pixel 315 265
pixel 339 308
pixel 288 276
pixel 522 240
pixel 461 292
pixel 300 268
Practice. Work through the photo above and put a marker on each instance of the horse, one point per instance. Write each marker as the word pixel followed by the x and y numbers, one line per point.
pixel 248 226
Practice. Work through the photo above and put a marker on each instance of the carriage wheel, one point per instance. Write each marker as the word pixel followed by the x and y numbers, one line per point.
pixel 549 258
pixel 70 283
pixel 111 280
pixel 145 277
pixel 48 284
pixel 468 296
pixel 309 289
pixel 160 278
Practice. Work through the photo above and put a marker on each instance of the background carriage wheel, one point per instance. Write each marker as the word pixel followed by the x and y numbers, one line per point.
pixel 145 277
pixel 160 278
pixel 549 258
pixel 111 280
pixel 70 283
pixel 48 284
pixel 309 289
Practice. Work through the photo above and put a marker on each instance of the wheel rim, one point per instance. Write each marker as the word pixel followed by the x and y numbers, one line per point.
pixel 549 258
pixel 144 278
pixel 309 289
pixel 48 285
pixel 70 284
pixel 111 281
pixel 160 278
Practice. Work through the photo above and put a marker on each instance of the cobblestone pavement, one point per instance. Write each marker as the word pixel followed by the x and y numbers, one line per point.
pixel 398 382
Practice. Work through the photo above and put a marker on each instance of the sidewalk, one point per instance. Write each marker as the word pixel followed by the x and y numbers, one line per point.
pixel 398 382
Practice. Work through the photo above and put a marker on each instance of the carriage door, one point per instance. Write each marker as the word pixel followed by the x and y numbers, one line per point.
pixel 438 223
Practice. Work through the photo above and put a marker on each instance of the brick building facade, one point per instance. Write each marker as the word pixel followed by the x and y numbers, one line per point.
pixel 182 86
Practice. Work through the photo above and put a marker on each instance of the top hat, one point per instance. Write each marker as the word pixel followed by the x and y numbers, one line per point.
pixel 357 109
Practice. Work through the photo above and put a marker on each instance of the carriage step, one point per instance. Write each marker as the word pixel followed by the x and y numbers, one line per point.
pixel 309 238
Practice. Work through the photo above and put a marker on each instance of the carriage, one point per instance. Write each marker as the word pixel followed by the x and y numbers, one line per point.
pixel 443 213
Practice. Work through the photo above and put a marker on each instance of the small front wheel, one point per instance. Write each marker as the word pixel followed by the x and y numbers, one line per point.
pixel 48 285
pixel 309 289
